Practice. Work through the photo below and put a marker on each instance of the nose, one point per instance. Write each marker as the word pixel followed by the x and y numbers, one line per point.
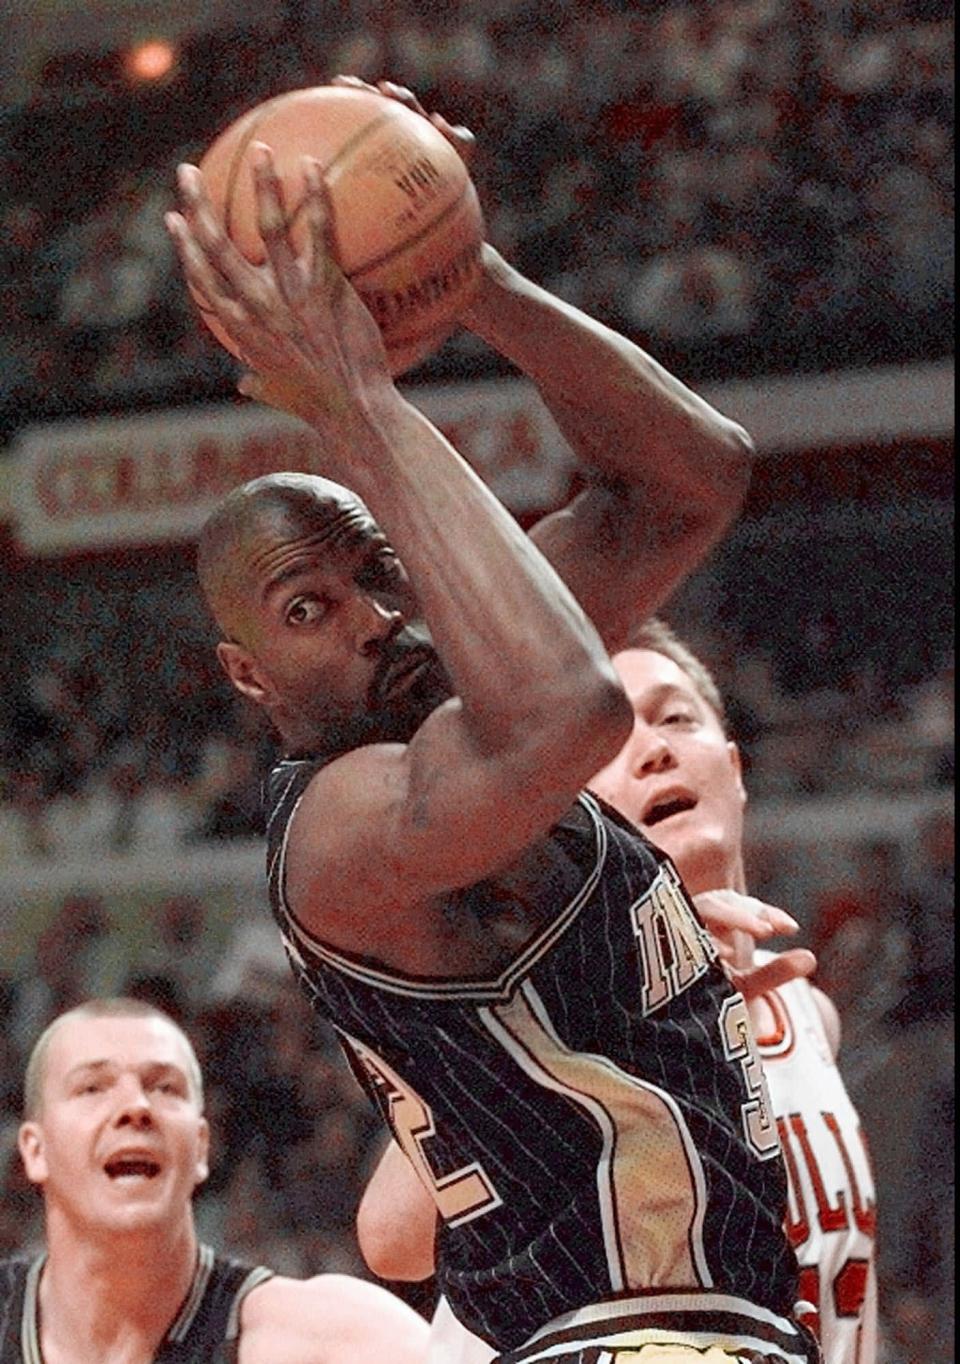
pixel 135 1109
pixel 651 752
pixel 374 623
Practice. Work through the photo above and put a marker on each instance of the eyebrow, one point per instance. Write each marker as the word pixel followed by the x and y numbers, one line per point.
pixel 83 1066
pixel 368 548
pixel 283 577
pixel 666 691
pixel 102 1064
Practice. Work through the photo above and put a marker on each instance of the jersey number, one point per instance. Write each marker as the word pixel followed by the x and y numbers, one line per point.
pixel 849 1293
pixel 759 1124
pixel 461 1196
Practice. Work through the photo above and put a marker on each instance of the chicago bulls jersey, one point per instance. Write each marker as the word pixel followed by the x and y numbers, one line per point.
pixel 592 1122
pixel 831 1221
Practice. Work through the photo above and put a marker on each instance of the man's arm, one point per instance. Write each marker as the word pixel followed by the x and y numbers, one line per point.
pixel 668 472
pixel 397 1221
pixel 538 707
pixel 330 1319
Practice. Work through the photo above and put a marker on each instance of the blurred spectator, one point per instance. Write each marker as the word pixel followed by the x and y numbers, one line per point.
pixel 73 959
pixel 174 962
pixel 927 915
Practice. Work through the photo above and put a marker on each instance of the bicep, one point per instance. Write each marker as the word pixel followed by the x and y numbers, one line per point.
pixel 620 562
pixel 387 827
pixel 397 1221
pixel 326 1318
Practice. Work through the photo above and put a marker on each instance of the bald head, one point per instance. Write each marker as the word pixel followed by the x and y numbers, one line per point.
pixel 288 504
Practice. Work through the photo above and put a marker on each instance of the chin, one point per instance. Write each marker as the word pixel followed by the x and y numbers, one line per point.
pixel 703 863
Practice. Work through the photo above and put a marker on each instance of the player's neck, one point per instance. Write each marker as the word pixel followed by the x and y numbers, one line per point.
pixel 725 872
pixel 114 1297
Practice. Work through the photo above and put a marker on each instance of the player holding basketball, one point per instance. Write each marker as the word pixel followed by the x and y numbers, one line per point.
pixel 115 1139
pixel 517 971
pixel 678 777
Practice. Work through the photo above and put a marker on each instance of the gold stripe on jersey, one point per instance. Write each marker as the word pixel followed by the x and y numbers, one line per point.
pixel 650 1182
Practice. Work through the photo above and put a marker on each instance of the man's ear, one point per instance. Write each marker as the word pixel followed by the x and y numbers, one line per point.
pixel 30 1142
pixel 244 672
pixel 202 1169
pixel 736 762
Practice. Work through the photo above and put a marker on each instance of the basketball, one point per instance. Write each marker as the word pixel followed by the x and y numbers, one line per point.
pixel 406 222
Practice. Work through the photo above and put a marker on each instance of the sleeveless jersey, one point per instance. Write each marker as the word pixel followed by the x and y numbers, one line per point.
pixel 206 1330
pixel 592 1124
pixel 831 1220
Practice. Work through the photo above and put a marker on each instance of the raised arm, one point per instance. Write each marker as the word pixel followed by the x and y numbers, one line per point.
pixel 538 706
pixel 667 473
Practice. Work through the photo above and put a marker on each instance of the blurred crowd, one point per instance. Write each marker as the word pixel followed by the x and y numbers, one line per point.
pixel 119 732
pixel 747 186
pixel 750 185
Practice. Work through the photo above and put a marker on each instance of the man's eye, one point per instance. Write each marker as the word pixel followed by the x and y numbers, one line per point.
pixel 679 717
pixel 304 611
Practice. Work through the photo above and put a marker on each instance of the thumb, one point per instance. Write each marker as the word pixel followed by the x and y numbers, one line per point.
pixel 250 385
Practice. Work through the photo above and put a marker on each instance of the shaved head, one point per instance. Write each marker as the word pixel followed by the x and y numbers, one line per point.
pixel 319 620
pixel 296 504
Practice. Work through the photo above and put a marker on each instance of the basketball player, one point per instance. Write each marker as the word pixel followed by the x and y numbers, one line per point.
pixel 678 776
pixel 516 970
pixel 115 1139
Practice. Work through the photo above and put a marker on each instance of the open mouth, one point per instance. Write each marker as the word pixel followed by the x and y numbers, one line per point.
pixel 666 809
pixel 407 671
pixel 132 1167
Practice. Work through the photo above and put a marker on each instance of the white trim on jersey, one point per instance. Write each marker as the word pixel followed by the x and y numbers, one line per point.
pixel 451 1343
pixel 29 1332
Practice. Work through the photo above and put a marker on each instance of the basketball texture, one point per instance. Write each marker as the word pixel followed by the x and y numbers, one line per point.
pixel 406 223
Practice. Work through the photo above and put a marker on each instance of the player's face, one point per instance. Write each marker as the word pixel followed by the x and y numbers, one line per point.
pixel 120 1142
pixel 335 649
pixel 678 777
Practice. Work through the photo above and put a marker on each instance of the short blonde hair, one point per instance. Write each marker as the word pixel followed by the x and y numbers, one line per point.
pixel 119 1007
pixel 657 636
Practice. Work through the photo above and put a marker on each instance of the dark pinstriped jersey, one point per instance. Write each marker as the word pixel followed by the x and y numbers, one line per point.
pixel 591 1123
pixel 206 1329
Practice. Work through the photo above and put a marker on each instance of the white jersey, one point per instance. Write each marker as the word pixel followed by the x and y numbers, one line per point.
pixel 831 1220
pixel 451 1343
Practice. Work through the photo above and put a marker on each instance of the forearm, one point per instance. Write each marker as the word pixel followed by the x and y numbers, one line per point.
pixel 624 415
pixel 518 647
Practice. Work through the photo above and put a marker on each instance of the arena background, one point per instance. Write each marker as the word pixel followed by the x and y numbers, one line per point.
pixel 761 192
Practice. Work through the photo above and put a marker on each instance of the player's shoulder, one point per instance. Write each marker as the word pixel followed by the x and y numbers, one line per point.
pixel 283 1320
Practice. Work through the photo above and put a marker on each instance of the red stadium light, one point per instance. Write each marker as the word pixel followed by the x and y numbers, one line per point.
pixel 152 60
